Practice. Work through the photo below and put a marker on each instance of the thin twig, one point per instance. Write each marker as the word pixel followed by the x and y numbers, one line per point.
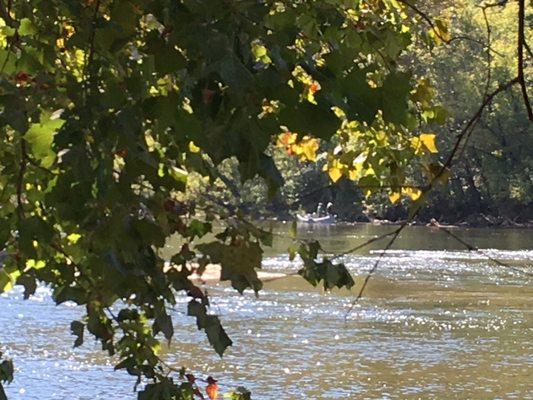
pixel 489 56
pixel 368 242
pixel 20 179
pixel 446 166
pixel 34 163
pixel 489 61
pixel 473 248
pixel 521 42
pixel 526 46
pixel 474 40
pixel 168 366
pixel 436 31
pixel 469 127
pixel 396 233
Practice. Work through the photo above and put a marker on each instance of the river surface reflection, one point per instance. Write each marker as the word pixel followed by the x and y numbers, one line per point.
pixel 437 322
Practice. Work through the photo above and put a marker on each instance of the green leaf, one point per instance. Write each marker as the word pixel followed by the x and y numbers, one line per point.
pixel 163 323
pixel 149 232
pixel 15 109
pixel 3 395
pixel 238 263
pixel 27 27
pixel 216 335
pixel 29 282
pixel 363 100
pixel 40 137
pixel 269 171
pixel 8 278
pixel 314 271
pixel 310 119
pixel 6 370
pixel 34 229
pixel 241 393
pixel 395 92
pixel 8 61
pixel 198 229
pixel 77 328
pixel 332 275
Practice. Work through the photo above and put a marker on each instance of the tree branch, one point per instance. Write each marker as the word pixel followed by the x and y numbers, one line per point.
pixel 418 206
pixel 489 57
pixel 473 248
pixel 528 49
pixel 435 30
pixel 521 45
pixel 87 75
pixel 6 16
pixel 469 127
pixel 20 178
pixel 500 3
pixel 395 235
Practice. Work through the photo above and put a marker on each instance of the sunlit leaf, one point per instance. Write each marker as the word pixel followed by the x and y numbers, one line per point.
pixel 193 148
pixel 428 140
pixel 413 193
pixel 40 137
pixel 335 173
pixel 394 197
pixel 8 278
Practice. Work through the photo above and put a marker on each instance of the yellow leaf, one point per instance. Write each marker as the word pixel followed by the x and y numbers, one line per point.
pixel 150 141
pixel 258 50
pixel 381 138
pixel 412 193
pixel 370 172
pixel 286 139
pixel 79 57
pixel 335 174
pixel 35 264
pixel 309 148
pixel 73 238
pixel 394 197
pixel 428 140
pixel 416 145
pixel 193 148
pixel 178 174
pixel 8 278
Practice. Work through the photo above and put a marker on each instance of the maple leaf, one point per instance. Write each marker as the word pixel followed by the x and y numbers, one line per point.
pixel 212 388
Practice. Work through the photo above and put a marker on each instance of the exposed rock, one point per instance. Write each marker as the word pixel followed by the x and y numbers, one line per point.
pixel 212 273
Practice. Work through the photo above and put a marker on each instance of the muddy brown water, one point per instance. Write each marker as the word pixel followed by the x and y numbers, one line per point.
pixel 437 322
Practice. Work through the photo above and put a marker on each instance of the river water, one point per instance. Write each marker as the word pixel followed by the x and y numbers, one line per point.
pixel 436 322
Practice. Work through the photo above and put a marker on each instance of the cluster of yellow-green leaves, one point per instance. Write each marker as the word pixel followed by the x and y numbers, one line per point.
pixel 106 107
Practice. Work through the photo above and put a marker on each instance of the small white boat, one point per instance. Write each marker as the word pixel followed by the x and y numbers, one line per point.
pixel 310 219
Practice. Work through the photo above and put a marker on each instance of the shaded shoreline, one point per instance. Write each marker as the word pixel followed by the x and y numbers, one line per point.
pixel 494 224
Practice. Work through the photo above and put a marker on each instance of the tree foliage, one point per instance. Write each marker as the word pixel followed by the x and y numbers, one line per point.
pixel 493 175
pixel 491 182
pixel 108 107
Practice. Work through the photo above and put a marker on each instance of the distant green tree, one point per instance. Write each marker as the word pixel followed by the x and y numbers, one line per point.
pixel 494 173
